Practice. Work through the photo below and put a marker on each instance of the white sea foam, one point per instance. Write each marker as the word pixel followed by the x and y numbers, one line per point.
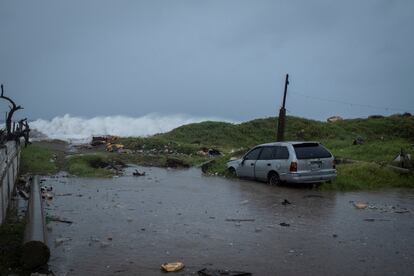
pixel 78 129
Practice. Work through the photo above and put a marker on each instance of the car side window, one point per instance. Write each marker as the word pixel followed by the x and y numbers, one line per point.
pixel 268 153
pixel 253 155
pixel 282 153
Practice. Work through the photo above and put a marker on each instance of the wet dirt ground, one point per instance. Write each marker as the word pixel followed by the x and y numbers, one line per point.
pixel 131 225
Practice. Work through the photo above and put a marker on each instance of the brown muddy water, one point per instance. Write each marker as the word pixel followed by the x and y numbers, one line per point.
pixel 131 225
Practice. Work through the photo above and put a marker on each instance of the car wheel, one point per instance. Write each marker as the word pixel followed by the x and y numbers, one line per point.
pixel 232 171
pixel 274 179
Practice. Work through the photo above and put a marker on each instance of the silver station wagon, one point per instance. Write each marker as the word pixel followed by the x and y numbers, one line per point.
pixel 297 162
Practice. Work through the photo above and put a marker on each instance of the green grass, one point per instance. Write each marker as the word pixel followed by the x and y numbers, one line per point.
pixel 82 165
pixel 384 137
pixel 368 176
pixel 376 150
pixel 226 136
pixel 37 159
pixel 11 241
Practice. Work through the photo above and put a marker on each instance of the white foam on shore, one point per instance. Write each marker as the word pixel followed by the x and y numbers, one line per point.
pixel 78 129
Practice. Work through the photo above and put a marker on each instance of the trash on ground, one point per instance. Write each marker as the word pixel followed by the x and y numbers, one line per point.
pixel 358 141
pixel 220 272
pixel 57 219
pixel 114 147
pixel 23 194
pixel 403 160
pixel 284 224
pixel 360 205
pixel 402 211
pixel 137 173
pixel 209 152
pixel 103 140
pixel 45 189
pixel 172 267
pixel 374 219
pixel 286 202
pixel 59 241
pixel 238 220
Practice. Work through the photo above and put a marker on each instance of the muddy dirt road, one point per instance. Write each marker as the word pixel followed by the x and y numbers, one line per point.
pixel 131 225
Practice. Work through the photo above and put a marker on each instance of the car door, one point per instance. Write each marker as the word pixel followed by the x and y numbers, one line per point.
pixel 264 162
pixel 246 168
pixel 272 158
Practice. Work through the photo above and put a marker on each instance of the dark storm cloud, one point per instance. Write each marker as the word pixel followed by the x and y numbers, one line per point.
pixel 207 58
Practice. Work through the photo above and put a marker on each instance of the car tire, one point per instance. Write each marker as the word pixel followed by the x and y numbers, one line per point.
pixel 273 179
pixel 232 171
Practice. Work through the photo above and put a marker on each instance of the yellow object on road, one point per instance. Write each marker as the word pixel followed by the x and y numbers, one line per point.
pixel 360 205
pixel 172 267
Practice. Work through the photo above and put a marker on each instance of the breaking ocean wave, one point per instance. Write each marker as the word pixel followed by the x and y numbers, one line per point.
pixel 77 129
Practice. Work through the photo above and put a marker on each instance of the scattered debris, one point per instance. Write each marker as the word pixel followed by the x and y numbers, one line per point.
pixel 214 152
pixel 114 165
pixel 59 241
pixel 358 141
pixel 23 194
pixel 46 192
pixel 286 202
pixel 57 219
pixel 67 194
pixel 114 147
pixel 45 189
pixel 48 196
pixel 172 267
pixel 360 205
pixel 209 152
pixel 284 224
pixel 402 211
pixel 137 173
pixel 374 219
pixel 207 165
pixel 239 220
pixel 103 140
pixel 403 160
pixel 220 272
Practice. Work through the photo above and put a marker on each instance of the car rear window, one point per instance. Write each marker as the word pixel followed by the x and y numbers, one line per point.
pixel 311 151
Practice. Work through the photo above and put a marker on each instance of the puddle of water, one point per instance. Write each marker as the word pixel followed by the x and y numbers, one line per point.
pixel 131 225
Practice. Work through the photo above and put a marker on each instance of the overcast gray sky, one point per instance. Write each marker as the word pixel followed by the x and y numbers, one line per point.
pixel 224 59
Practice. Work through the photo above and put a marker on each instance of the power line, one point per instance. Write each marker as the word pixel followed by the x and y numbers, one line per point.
pixel 294 93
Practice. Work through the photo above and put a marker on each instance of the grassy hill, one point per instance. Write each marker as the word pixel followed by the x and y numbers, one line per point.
pixel 384 136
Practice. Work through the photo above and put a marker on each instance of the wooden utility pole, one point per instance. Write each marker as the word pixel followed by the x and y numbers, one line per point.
pixel 282 115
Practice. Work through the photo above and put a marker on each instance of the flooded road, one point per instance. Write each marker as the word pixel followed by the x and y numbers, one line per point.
pixel 131 225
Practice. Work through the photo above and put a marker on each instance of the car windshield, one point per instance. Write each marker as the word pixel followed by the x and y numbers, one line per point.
pixel 311 151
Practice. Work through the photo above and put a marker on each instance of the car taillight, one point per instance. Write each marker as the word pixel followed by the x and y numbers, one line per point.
pixel 333 164
pixel 293 167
